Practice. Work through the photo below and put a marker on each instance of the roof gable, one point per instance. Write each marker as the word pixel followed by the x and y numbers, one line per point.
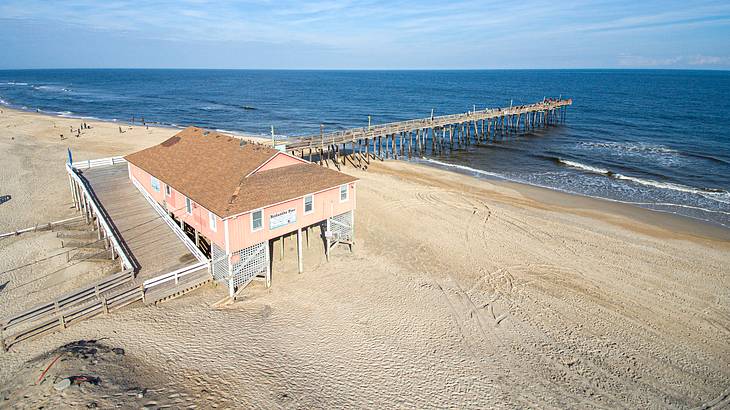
pixel 280 159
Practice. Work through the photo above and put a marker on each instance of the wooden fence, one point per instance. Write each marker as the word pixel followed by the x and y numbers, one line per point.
pixel 41 227
pixel 67 308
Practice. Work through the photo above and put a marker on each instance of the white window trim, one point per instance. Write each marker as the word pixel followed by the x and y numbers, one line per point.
pixel 188 201
pixel 347 192
pixel 304 204
pixel 262 219
pixel 168 190
pixel 152 183
pixel 212 222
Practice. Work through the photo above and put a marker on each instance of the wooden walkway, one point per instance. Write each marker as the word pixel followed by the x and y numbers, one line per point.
pixel 153 248
pixel 156 264
pixel 417 137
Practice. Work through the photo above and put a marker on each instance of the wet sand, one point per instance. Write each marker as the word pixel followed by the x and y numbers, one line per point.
pixel 461 292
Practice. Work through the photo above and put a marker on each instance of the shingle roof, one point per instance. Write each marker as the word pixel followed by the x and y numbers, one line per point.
pixel 212 168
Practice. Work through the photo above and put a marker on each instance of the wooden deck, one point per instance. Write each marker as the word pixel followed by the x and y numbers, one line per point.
pixel 153 248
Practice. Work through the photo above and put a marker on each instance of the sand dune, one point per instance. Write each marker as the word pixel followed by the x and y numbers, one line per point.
pixel 461 293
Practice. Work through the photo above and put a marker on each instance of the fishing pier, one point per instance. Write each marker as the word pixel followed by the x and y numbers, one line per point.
pixel 437 135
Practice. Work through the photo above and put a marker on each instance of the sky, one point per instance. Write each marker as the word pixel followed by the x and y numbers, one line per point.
pixel 364 34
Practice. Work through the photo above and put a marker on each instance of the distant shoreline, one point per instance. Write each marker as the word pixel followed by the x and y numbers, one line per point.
pixel 6 106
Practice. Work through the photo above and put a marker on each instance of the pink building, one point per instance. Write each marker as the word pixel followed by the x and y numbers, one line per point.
pixel 234 197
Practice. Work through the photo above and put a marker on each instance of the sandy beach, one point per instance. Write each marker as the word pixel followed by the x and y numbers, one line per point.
pixel 462 292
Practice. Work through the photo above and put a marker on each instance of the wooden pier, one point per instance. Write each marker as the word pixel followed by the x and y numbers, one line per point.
pixel 437 135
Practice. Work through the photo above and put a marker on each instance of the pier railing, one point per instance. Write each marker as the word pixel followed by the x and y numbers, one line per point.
pixel 373 131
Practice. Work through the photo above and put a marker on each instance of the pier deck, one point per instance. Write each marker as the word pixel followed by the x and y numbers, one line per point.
pixel 439 134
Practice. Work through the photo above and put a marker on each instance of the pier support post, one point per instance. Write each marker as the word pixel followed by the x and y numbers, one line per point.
pixel 300 255
pixel 327 241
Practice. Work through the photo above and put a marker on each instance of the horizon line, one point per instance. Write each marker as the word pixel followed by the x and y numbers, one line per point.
pixel 374 69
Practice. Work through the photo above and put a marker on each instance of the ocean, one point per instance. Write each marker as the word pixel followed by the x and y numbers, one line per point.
pixel 657 139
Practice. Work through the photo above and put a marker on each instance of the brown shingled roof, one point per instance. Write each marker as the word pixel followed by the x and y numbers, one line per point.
pixel 211 169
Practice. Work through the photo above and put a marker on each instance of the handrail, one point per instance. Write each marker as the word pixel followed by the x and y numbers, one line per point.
pixel 100 162
pixel 175 228
pixel 111 234
pixel 174 275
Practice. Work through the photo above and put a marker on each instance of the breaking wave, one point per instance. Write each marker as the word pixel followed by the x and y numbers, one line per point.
pixel 718 195
pixel 630 147
pixel 463 168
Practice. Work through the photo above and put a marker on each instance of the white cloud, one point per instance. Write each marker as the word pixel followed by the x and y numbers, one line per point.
pixel 637 61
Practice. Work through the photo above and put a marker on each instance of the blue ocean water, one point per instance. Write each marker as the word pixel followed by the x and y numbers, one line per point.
pixel 655 138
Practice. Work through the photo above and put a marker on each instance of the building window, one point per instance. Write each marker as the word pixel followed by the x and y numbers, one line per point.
pixel 343 193
pixel 168 190
pixel 188 205
pixel 212 221
pixel 155 183
pixel 308 204
pixel 257 220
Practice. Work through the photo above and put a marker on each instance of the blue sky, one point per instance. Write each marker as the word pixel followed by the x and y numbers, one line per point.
pixel 365 34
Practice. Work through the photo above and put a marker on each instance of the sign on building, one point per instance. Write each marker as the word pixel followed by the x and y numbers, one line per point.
pixel 282 218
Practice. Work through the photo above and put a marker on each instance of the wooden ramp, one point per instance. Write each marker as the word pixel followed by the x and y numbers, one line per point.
pixel 152 246
pixel 157 264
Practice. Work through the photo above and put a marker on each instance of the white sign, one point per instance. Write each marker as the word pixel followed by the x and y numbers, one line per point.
pixel 282 218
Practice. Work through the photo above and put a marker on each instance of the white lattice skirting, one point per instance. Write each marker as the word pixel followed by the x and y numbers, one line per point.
pixel 341 227
pixel 251 262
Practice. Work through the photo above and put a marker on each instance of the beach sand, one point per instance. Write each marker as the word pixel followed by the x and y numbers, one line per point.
pixel 461 292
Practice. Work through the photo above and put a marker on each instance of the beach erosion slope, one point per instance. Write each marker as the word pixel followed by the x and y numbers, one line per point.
pixel 461 292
